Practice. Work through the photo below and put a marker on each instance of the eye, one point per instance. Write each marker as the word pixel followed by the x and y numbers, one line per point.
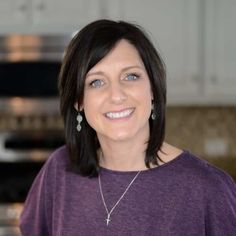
pixel 132 77
pixel 96 83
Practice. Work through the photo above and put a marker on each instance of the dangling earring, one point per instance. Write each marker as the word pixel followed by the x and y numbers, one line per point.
pixel 153 115
pixel 79 118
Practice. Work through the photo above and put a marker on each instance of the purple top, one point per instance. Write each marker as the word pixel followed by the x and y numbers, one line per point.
pixel 186 196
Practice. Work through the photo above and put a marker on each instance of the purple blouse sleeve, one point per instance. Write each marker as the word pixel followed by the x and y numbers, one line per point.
pixel 35 219
pixel 221 206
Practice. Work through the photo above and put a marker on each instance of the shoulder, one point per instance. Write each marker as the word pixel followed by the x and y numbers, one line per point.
pixel 217 191
pixel 59 157
pixel 54 168
pixel 192 163
pixel 212 179
pixel 206 169
pixel 60 153
pixel 38 206
pixel 54 165
pixel 189 167
pixel 202 168
pixel 204 182
pixel 193 170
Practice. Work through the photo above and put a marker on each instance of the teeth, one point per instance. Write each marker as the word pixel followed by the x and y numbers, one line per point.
pixel 115 115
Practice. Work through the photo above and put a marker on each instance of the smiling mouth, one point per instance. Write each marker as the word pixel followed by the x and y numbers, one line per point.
pixel 119 115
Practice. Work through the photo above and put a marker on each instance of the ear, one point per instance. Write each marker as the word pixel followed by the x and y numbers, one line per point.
pixel 151 94
pixel 77 108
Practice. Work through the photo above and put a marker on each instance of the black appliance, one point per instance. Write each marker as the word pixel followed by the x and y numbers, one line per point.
pixel 30 123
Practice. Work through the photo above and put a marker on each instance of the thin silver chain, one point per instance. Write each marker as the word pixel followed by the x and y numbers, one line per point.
pixel 103 200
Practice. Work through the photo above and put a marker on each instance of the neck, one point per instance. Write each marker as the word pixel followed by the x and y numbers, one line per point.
pixel 123 156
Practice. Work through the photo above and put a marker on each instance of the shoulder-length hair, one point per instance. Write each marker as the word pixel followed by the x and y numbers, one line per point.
pixel 85 50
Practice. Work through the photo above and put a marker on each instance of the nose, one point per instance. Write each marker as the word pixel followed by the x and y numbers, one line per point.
pixel 117 93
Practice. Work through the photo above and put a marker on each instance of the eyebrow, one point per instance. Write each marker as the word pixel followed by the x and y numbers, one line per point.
pixel 132 67
pixel 123 70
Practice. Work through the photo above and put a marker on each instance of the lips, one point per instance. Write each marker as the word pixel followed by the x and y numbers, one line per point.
pixel 119 115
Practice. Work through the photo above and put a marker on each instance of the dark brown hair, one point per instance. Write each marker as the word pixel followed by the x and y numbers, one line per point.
pixel 85 50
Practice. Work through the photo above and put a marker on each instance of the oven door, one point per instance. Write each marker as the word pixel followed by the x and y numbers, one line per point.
pixel 9 219
pixel 29 79
pixel 16 180
pixel 22 155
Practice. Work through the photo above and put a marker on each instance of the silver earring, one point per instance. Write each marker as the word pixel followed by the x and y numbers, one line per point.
pixel 79 118
pixel 153 115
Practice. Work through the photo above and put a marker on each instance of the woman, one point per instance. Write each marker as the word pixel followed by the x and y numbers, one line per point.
pixel 116 175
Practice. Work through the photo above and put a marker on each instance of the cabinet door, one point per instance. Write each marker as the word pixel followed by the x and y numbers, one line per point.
pixel 221 50
pixel 174 28
pixel 64 16
pixel 13 13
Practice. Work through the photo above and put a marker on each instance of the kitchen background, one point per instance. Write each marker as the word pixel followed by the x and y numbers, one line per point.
pixel 196 39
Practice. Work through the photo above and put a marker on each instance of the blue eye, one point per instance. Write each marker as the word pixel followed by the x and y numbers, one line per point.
pixel 96 83
pixel 131 77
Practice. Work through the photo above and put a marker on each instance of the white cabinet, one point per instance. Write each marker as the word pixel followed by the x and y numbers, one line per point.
pixel 220 53
pixel 13 12
pixel 174 29
pixel 64 16
pixel 47 16
pixel 195 38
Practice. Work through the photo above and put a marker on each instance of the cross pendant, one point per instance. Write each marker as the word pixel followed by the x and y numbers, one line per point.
pixel 108 219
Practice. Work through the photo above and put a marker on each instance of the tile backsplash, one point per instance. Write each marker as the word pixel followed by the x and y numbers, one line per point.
pixel 209 132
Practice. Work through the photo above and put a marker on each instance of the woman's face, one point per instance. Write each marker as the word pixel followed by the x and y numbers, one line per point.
pixel 117 95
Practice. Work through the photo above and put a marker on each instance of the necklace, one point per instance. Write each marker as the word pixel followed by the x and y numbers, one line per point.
pixel 108 219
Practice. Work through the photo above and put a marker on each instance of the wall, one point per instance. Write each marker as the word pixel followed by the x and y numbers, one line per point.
pixel 208 132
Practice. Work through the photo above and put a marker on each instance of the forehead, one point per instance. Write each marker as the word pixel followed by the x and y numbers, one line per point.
pixel 122 55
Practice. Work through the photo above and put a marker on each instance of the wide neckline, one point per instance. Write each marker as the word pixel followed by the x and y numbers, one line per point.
pixel 169 163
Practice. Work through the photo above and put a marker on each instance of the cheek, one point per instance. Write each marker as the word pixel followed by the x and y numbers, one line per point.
pixel 89 116
pixel 91 106
pixel 145 94
pixel 147 99
pixel 88 100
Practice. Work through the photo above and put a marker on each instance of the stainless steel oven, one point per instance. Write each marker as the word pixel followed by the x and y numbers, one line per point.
pixel 30 123
pixel 29 67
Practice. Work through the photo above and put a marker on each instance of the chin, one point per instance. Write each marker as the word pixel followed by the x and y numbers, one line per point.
pixel 121 136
